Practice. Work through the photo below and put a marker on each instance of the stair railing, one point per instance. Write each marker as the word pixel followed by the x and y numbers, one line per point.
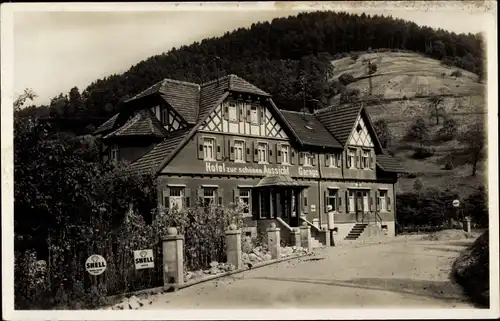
pixel 284 224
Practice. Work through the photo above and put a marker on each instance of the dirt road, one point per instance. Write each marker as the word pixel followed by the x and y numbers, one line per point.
pixel 412 274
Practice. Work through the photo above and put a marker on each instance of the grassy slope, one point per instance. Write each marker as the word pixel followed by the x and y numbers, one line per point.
pixel 415 77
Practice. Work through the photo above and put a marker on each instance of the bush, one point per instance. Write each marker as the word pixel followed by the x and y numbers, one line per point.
pixel 417 185
pixel 457 73
pixel 449 165
pixel 354 56
pixel 346 79
pixel 423 153
pixel 471 270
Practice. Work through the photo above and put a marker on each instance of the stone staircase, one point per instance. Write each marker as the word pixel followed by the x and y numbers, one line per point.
pixel 356 231
pixel 315 242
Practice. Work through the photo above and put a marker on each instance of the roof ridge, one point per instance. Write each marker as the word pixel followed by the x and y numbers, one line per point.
pixel 181 82
pixel 214 80
pixel 125 126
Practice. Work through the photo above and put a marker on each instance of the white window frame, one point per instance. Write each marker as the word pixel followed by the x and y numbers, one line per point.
pixel 365 159
pixel 383 200
pixel 351 194
pixel 334 160
pixel 232 110
pixel 213 197
pixel 164 115
pixel 332 197
pixel 308 159
pixel 239 145
pixel 176 199
pixel 207 157
pixel 285 154
pixel 246 210
pixel 351 158
pixel 262 152
pixel 254 115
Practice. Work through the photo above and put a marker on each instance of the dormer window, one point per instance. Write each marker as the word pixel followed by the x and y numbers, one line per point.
pixel 233 113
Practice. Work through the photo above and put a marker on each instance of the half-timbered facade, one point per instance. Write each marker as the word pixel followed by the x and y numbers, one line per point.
pixel 226 141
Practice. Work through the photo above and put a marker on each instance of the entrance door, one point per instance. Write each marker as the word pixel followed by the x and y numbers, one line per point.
pixel 359 206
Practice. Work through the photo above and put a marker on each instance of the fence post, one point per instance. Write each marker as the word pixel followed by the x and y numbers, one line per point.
pixel 296 237
pixel 466 225
pixel 233 246
pixel 273 241
pixel 173 259
pixel 305 236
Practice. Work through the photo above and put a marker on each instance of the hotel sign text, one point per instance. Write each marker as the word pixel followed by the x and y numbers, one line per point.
pixel 264 170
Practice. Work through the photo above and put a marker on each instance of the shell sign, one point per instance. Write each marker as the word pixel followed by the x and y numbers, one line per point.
pixel 143 259
pixel 95 264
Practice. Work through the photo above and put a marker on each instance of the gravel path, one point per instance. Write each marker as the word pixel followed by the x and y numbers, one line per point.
pixel 400 274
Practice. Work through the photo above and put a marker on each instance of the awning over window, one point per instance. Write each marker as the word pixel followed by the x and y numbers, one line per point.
pixel 279 181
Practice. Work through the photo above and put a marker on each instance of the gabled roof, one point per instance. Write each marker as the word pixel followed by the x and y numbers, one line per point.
pixel 108 125
pixel 279 180
pixel 151 161
pixel 389 164
pixel 309 129
pixel 339 120
pixel 142 124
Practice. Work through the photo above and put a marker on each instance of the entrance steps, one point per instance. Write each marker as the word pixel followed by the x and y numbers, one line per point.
pixel 356 231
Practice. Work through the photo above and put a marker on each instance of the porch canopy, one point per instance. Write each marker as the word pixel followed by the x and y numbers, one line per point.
pixel 279 181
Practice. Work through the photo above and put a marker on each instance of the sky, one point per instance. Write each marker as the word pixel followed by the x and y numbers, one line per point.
pixel 56 50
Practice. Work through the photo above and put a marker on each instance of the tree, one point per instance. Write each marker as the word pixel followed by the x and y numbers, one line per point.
pixel 436 109
pixel 474 139
pixel 75 103
pixel 457 73
pixel 448 131
pixel 418 132
pixel 383 132
pixel 28 94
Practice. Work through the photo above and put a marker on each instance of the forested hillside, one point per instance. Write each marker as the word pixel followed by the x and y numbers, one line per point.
pixel 283 57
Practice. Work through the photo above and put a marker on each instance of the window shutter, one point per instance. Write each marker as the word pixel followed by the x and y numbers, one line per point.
pixel 292 158
pixel 361 157
pixel 187 197
pixel 261 116
pixel 388 203
pixel 278 153
pixel 219 142
pixel 249 117
pixel 313 156
pixel 326 200
pixel 166 198
pixel 220 194
pixel 372 159
pixel 301 158
pixel 358 159
pixel 304 202
pixel 327 159
pixel 226 111
pixel 255 152
pixel 377 196
pixel 236 195
pixel 339 159
pixel 270 152
pixel 339 202
pixel 246 151
pixel 347 202
pixel 200 147
pixel 231 149
pixel 371 201
pixel 199 196
pixel 241 111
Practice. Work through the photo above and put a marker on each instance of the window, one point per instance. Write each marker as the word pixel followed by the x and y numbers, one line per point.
pixel 114 153
pixel 307 159
pixel 365 161
pixel 164 116
pixel 331 198
pixel 254 115
pixel 262 150
pixel 382 201
pixel 351 158
pixel 238 152
pixel 285 155
pixel 233 114
pixel 208 149
pixel 176 197
pixel 244 199
pixel 334 160
pixel 209 194
pixel 351 207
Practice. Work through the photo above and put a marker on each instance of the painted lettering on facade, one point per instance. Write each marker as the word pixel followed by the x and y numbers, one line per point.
pixel 211 167
pixel 309 172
